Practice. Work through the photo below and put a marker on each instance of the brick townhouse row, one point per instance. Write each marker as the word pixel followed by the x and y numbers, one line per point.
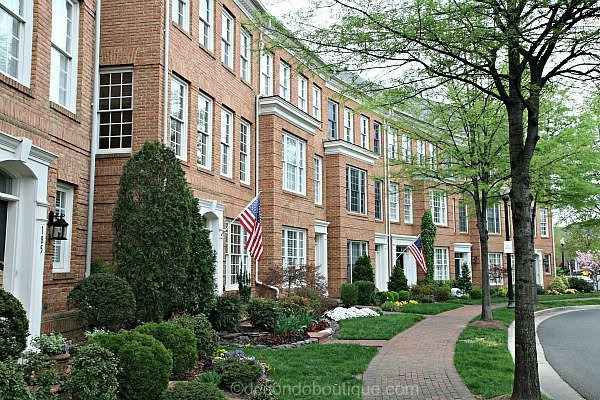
pixel 84 84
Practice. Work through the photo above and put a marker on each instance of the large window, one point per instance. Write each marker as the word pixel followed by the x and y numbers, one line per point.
pixel 316 102
pixel 355 249
pixel 293 157
pixel 303 93
pixel 227 32
pixel 245 152
pixel 179 118
pixel 318 180
pixel 226 142
pixel 238 259
pixel 493 219
pixel 437 203
pixel 393 211
pixel 392 145
pixel 421 152
pixel 245 56
pixel 406 148
pixel 408 205
pixel 348 125
pixel 115 110
pixel 378 198
pixel 356 190
pixel 364 132
pixel 205 122
pixel 207 23
pixel 432 156
pixel 15 39
pixel 266 73
pixel 181 13
pixel 63 69
pixel 284 80
pixel 544 222
pixel 62 248
pixel 377 137
pixel 293 246
pixel 332 119
pixel 463 218
pixel 496 271
pixel 441 264
pixel 547 265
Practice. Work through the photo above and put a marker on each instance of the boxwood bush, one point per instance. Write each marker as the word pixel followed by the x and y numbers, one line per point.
pixel 12 382
pixel 14 326
pixel 93 374
pixel 580 285
pixel 227 314
pixel 238 374
pixel 366 291
pixel 476 293
pixel 207 339
pixel 263 313
pixel 180 341
pixel 349 294
pixel 193 390
pixel 403 295
pixel 145 364
pixel 429 293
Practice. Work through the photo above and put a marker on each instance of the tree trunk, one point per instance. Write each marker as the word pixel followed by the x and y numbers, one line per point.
pixel 481 210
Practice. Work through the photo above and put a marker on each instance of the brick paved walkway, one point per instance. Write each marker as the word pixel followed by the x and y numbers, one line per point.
pixel 419 362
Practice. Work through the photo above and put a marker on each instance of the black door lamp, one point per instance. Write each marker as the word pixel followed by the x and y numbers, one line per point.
pixel 59 226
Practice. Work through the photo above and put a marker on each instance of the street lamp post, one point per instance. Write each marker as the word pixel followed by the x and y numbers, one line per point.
pixel 562 254
pixel 509 272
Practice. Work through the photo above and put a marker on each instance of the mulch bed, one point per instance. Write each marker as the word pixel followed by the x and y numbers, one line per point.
pixel 489 324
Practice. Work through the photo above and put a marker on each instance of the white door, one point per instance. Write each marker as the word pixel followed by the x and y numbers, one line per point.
pixel 381 268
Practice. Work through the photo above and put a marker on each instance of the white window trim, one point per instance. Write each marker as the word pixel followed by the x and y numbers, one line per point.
pixel 245 169
pixel 496 257
pixel 318 180
pixel 227 38
pixel 406 148
pixel 378 199
pixel 207 22
pixel 364 131
pixel 544 225
pixel 408 204
pixel 392 145
pixel 495 209
pixel 394 211
pixel 116 150
pixel 244 255
pixel 317 103
pixel 335 122
pixel 466 217
pixel 421 156
pixel 300 169
pixel 432 156
pixel 184 133
pixel 441 270
pixel 348 125
pixel 266 73
pixel 300 249
pixel 377 137
pixel 302 93
pixel 442 217
pixel 226 142
pixel 65 245
pixel 185 22
pixel 25 43
pixel 284 80
pixel 73 62
pixel 209 132
pixel 364 250
pixel 362 191
pixel 246 56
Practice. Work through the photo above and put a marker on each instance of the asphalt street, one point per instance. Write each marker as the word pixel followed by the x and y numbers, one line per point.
pixel 572 347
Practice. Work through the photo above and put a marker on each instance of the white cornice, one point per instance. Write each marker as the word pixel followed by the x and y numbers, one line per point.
pixel 341 147
pixel 275 105
pixel 23 149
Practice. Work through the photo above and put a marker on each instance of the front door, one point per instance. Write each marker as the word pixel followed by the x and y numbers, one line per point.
pixel 458 260
pixel 3 211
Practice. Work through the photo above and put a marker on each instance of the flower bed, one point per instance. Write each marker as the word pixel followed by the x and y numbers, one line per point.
pixel 340 313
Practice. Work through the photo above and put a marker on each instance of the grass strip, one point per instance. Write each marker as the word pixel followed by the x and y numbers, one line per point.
pixel 383 327
pixel 429 308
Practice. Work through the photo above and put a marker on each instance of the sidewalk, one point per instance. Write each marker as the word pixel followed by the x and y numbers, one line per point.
pixel 419 362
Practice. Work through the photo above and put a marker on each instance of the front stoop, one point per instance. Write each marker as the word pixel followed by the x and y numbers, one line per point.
pixel 322 336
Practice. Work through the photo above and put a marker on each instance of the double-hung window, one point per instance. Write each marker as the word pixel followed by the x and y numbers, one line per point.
pixel 408 205
pixel 438 205
pixel 496 271
pixel 62 248
pixel 332 119
pixel 303 93
pixel 226 142
pixel 348 125
pixel 355 249
pixel 245 152
pixel 293 246
pixel 441 264
pixel 356 190
pixel 63 63
pixel 238 258
pixel 115 111
pixel 318 180
pixel 493 219
pixel 364 132
pixel 266 73
pixel 406 148
pixel 394 215
pixel 284 80
pixel 227 32
pixel 293 157
pixel 245 56
pixel 544 222
pixel 16 33
pixel 207 20
pixel 463 218
pixel 421 152
pixel 377 137
pixel 378 197
pixel 181 13
pixel 316 102
pixel 205 122
pixel 392 145
pixel 179 106
pixel 432 156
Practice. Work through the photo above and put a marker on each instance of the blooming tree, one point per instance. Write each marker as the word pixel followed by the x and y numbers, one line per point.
pixel 590 262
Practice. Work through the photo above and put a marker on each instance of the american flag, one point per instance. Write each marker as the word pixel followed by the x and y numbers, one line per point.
pixel 416 249
pixel 251 221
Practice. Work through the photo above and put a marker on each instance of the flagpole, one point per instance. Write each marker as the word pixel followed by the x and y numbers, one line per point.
pixel 404 251
pixel 233 220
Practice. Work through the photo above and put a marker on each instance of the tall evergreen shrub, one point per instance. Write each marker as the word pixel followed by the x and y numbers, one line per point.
pixel 363 270
pixel 428 230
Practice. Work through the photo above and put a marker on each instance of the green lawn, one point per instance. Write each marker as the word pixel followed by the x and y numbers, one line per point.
pixel 475 302
pixel 429 308
pixel 383 327
pixel 318 371
pixel 550 297
pixel 573 303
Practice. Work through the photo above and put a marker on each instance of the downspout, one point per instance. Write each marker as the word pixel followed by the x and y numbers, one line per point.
pixel 166 73
pixel 256 170
pixel 94 142
pixel 386 177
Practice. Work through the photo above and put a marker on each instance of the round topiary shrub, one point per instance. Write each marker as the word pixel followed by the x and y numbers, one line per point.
pixel 263 313
pixel 93 374
pixel 476 293
pixel 177 339
pixel 558 284
pixel 403 295
pixel 105 301
pixel 145 364
pixel 366 291
pixel 193 391
pixel 389 306
pixel 207 339
pixel 12 382
pixel 227 314
pixel 14 326
pixel 238 374
pixel 349 294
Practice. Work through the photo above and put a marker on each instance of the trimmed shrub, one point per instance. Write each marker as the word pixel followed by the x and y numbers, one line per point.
pixel 104 300
pixel 349 294
pixel 580 285
pixel 238 374
pixel 193 391
pixel 263 313
pixel 12 382
pixel 207 339
pixel 389 306
pixel 403 295
pixel 14 326
pixel 210 377
pixel 398 279
pixel 366 291
pixel 180 341
pixel 227 314
pixel 558 284
pixel 144 362
pixel 294 303
pixel 363 270
pixel 390 296
pixel 476 293
pixel 429 293
pixel 93 374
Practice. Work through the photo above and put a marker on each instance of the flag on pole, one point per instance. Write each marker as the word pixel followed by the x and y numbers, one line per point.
pixel 416 249
pixel 251 221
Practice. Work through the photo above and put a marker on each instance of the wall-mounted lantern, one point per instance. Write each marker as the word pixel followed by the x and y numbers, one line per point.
pixel 59 226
